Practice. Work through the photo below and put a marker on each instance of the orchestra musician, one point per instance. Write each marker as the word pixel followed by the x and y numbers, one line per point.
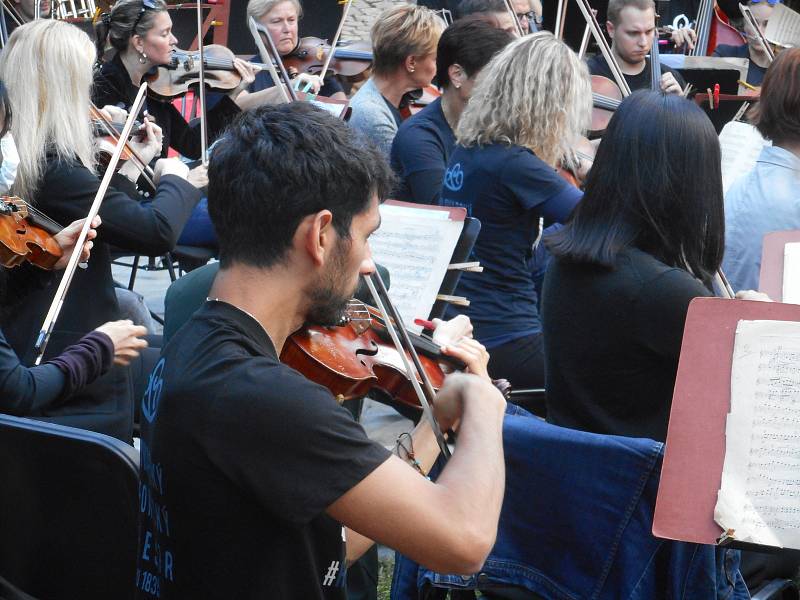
pixel 281 19
pixel 423 143
pixel 47 65
pixel 140 34
pixel 529 105
pixel 643 242
pixel 529 15
pixel 25 11
pixel 768 198
pixel 754 51
pixel 404 40
pixel 631 26
pixel 271 487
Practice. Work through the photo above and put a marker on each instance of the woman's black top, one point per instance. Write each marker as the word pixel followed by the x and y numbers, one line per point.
pixel 113 86
pixel 65 194
pixel 612 338
pixel 26 391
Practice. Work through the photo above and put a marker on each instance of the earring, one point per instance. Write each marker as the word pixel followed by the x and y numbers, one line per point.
pixel 412 69
pixel 457 86
pixel 142 58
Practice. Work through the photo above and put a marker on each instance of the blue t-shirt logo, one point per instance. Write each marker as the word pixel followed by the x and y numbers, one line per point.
pixel 152 394
pixel 454 178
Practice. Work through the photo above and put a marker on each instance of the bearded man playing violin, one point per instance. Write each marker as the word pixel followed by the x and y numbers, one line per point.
pixel 632 28
pixel 258 484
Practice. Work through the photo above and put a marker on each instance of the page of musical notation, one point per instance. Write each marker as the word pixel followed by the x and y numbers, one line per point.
pixel 783 26
pixel 759 498
pixel 740 143
pixel 416 245
pixel 791 273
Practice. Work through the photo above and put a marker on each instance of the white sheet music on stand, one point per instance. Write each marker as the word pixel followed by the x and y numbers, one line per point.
pixel 783 26
pixel 741 143
pixel 415 243
pixel 759 498
pixel 791 273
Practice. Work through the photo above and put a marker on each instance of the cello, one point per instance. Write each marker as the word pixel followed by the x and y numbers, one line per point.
pixel 713 31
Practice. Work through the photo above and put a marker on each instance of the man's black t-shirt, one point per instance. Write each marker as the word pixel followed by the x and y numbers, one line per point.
pixel 598 66
pixel 241 456
pixel 612 338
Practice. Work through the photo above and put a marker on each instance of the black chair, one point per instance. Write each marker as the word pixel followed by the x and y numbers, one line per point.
pixel 68 512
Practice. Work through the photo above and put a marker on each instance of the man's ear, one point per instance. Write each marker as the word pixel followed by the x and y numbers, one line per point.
pixel 610 29
pixel 318 236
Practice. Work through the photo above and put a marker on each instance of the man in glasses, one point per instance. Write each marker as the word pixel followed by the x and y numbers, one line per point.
pixel 753 50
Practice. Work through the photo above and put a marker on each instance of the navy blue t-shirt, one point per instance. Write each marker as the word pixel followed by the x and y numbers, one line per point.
pixel 755 74
pixel 507 188
pixel 420 152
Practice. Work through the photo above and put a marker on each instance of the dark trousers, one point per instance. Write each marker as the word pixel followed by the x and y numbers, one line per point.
pixel 521 361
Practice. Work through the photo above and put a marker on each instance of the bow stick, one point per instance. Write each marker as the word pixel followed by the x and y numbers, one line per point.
pixel 605 49
pixel 724 286
pixel 265 57
pixel 326 64
pixel 202 89
pixel 58 301
pixel 392 317
pixel 748 16
pixel 561 17
pixel 513 14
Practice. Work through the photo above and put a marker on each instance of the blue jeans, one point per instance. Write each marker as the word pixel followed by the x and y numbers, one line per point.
pixel 576 523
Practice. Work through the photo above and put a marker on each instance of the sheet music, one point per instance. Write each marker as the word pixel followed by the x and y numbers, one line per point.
pixel 759 498
pixel 416 245
pixel 783 26
pixel 741 143
pixel 791 273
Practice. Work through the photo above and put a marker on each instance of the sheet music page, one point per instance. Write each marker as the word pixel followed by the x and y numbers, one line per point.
pixel 741 143
pixel 759 498
pixel 416 245
pixel 783 26
pixel 791 273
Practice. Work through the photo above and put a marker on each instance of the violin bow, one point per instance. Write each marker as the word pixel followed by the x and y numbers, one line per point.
pixel 58 300
pixel 587 31
pixel 748 16
pixel 202 89
pixel 513 14
pixel 265 57
pixel 399 335
pixel 561 17
pixel 605 49
pixel 335 42
pixel 724 286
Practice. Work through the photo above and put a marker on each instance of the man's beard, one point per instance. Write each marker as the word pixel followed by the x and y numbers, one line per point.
pixel 329 298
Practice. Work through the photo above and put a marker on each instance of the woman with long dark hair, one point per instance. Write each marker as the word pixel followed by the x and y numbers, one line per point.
pixel 645 240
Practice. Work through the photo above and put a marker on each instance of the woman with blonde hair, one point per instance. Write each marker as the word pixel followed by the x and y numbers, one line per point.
pixel 404 40
pixel 47 66
pixel 528 107
pixel 281 19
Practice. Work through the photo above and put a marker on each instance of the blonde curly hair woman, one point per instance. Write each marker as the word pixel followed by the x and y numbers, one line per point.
pixel 530 103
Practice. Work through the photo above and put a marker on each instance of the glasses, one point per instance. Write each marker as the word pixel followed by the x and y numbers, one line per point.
pixel 146 5
pixel 770 2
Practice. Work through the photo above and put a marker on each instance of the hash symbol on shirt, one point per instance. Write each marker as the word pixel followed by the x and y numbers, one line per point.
pixel 330 576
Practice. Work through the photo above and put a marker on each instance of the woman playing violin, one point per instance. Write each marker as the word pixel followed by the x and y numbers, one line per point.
pixel 281 18
pixel 404 42
pixel 530 102
pixel 423 144
pixel 140 33
pixel 47 60
pixel 753 50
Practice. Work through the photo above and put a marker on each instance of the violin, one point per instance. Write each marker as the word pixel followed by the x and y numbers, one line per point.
pixel 352 358
pixel 109 133
pixel 183 71
pixel 350 59
pixel 27 235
